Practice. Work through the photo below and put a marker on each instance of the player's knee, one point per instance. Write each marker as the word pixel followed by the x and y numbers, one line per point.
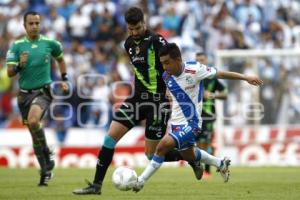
pixel 161 150
pixel 164 146
pixel 33 123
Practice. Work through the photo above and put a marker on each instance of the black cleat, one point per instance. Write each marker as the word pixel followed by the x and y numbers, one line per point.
pixel 45 178
pixel 92 188
pixel 197 168
pixel 50 165
pixel 49 160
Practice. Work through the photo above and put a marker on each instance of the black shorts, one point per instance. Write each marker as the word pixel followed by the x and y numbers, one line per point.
pixel 206 131
pixel 26 98
pixel 154 108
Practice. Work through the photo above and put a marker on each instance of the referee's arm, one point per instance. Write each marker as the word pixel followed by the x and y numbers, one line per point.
pixel 62 65
pixel 14 68
pixel 63 72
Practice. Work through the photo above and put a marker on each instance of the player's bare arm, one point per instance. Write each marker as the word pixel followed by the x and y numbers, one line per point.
pixel 215 95
pixel 63 72
pixel 13 70
pixel 253 80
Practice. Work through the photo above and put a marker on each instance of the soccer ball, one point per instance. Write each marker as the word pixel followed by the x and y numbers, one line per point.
pixel 124 178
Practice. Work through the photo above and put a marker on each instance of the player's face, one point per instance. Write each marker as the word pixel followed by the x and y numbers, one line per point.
pixel 32 25
pixel 202 59
pixel 137 31
pixel 170 65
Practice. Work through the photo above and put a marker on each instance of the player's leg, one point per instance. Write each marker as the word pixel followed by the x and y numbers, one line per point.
pixel 43 101
pixel 105 156
pixel 202 143
pixel 32 107
pixel 164 146
pixel 181 137
pixel 222 165
pixel 208 143
pixel 40 146
pixel 157 117
pixel 124 119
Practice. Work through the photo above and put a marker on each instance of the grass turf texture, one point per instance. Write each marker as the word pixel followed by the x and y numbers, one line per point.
pixel 168 183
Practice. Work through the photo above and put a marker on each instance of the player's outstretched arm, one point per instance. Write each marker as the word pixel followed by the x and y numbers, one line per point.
pixel 253 80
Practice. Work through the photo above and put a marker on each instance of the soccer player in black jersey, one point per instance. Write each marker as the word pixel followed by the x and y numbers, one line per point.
pixel 148 101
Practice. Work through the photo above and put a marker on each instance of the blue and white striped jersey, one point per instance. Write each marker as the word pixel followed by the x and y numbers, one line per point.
pixel 187 92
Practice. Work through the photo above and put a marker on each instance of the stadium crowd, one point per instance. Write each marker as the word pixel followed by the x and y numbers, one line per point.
pixel 93 31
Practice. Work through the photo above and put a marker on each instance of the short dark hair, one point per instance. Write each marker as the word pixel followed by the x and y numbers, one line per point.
pixel 170 49
pixel 134 15
pixel 201 53
pixel 29 13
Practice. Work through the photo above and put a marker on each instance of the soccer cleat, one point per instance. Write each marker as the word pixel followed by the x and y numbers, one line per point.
pixel 45 178
pixel 50 165
pixel 224 169
pixel 197 168
pixel 92 188
pixel 138 185
pixel 49 160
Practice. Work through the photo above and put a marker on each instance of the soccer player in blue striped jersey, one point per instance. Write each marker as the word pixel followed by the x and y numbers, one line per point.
pixel 184 82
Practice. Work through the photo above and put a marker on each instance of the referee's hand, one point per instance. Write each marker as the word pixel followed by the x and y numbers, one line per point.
pixel 65 87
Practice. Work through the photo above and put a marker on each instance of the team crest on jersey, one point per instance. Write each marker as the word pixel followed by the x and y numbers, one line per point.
pixel 137 50
pixel 189 80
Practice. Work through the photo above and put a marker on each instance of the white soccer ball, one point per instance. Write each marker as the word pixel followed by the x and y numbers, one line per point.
pixel 124 178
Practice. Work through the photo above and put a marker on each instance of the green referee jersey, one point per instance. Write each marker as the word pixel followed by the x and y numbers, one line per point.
pixel 37 70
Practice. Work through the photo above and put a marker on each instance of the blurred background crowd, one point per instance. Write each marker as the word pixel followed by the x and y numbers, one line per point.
pixel 93 32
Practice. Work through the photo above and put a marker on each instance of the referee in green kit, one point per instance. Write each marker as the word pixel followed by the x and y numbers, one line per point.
pixel 30 57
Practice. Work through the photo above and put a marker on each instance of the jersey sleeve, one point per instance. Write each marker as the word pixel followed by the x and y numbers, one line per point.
pixel 159 41
pixel 204 72
pixel 12 56
pixel 56 47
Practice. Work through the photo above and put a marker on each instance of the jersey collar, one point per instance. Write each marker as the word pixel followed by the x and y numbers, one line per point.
pixel 28 40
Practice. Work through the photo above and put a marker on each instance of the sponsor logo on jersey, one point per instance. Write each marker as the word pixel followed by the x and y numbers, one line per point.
pixel 33 46
pixel 190 71
pixel 190 87
pixel 137 58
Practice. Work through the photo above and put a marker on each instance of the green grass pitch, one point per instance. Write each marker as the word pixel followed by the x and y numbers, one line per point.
pixel 269 183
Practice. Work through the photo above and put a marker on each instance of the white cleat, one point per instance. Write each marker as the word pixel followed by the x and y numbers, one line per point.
pixel 138 185
pixel 224 169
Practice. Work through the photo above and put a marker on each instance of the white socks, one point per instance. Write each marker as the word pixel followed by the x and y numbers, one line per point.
pixel 152 167
pixel 209 159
